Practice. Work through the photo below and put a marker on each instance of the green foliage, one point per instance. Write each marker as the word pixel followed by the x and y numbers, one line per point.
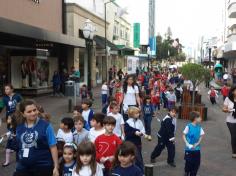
pixel 165 49
pixel 194 72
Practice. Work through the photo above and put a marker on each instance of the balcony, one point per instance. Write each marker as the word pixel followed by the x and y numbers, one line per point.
pixel 232 9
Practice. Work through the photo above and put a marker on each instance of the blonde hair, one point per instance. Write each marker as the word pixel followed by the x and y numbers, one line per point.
pixel 132 111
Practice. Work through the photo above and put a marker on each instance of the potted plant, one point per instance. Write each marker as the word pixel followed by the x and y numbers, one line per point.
pixel 197 74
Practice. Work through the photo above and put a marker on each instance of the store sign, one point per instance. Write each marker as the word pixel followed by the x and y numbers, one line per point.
pixel 36 1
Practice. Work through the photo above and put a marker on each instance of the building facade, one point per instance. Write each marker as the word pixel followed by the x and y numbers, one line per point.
pixel 33 44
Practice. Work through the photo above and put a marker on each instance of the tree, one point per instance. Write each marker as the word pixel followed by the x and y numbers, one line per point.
pixel 196 73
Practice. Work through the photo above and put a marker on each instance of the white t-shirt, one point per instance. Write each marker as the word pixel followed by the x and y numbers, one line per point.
pixel 226 76
pixel 230 106
pixel 130 97
pixel 85 115
pixel 119 122
pixel 104 89
pixel 93 134
pixel 67 137
pixel 136 123
pixel 86 171
pixel 186 130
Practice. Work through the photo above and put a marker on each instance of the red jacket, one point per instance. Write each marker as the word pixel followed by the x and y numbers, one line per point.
pixel 106 146
pixel 225 91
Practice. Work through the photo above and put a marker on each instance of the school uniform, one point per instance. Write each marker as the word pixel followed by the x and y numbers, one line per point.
pixel 11 141
pixel 192 155
pixel 131 126
pixel 87 115
pixel 33 149
pixel 148 112
pixel 68 168
pixel 166 136
pixel 132 170
pixel 10 103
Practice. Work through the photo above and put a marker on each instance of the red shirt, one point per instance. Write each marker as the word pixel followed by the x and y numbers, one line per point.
pixel 225 91
pixel 106 146
pixel 213 93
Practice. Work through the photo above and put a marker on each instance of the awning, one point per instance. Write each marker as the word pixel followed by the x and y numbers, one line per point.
pixel 24 30
pixel 100 41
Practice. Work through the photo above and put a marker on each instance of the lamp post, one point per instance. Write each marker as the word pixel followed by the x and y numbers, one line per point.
pixel 148 53
pixel 105 13
pixel 88 32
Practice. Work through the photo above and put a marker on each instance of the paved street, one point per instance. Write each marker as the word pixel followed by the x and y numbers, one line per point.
pixel 216 151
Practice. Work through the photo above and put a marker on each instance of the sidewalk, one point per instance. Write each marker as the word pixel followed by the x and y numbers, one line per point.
pixel 216 149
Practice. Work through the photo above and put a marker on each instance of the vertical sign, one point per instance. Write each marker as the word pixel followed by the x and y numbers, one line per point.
pixel 136 35
pixel 152 45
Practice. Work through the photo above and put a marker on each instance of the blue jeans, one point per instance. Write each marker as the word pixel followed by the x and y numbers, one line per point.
pixel 147 123
pixel 104 99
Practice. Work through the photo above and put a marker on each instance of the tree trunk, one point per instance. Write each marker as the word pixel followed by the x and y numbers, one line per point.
pixel 193 96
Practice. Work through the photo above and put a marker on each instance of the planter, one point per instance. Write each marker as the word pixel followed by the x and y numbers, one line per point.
pixel 185 109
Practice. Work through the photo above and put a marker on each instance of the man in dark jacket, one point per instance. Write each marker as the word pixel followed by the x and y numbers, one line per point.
pixel 166 138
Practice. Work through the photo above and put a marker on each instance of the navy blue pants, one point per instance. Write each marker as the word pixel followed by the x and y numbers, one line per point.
pixel 104 99
pixel 147 123
pixel 161 146
pixel 139 159
pixel 192 162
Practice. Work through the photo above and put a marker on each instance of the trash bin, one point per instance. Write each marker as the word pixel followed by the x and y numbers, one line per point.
pixel 69 88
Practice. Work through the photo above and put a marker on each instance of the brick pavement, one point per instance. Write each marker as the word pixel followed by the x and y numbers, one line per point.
pixel 216 151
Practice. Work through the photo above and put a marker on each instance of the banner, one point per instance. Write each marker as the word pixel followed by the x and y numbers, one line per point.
pixel 136 35
pixel 153 46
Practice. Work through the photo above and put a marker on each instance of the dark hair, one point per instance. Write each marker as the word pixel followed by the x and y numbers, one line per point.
pixel 113 105
pixel 78 108
pixel 193 115
pixel 99 117
pixel 62 163
pixel 79 118
pixel 23 104
pixel 60 146
pixel 111 99
pixel 13 123
pixel 68 121
pixel 109 120
pixel 87 102
pixel 231 95
pixel 9 85
pixel 173 109
pixel 86 148
pixel 125 149
pixel 145 99
pixel 125 85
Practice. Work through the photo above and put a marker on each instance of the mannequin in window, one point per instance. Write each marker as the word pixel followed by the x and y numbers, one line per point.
pixel 24 74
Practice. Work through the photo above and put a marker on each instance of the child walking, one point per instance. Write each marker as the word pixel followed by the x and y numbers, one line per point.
pixel 119 128
pixel 104 92
pixel 192 136
pixel 134 130
pixel 106 144
pixel 65 132
pixel 11 138
pixel 87 112
pixel 148 113
pixel 84 92
pixel 213 94
pixel 97 126
pixel 124 161
pixel 69 159
pixel 80 134
pixel 86 164
pixel 166 138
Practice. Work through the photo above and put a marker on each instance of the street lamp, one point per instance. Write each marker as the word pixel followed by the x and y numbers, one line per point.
pixel 148 53
pixel 105 8
pixel 88 32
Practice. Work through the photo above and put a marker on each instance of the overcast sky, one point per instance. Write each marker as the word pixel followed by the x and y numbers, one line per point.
pixel 188 19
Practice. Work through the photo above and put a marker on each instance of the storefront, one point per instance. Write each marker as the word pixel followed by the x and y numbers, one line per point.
pixel 30 55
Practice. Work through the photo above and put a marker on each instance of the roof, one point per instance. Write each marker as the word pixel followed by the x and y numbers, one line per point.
pixel 100 41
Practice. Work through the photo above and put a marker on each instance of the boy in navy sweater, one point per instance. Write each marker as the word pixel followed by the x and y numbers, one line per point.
pixel 166 138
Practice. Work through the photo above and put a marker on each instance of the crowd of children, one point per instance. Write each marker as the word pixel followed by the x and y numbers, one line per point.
pixel 106 143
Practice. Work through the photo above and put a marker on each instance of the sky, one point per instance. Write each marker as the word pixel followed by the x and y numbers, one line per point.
pixel 188 19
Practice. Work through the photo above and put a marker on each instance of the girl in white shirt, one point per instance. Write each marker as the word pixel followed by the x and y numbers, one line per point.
pixel 86 161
